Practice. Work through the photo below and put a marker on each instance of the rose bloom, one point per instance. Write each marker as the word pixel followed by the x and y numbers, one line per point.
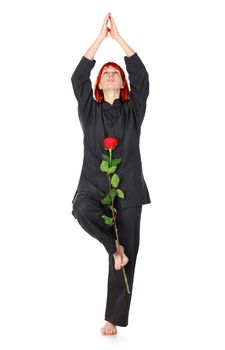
pixel 110 142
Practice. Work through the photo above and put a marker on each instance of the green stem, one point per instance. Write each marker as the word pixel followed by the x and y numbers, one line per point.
pixel 110 156
pixel 115 226
pixel 121 256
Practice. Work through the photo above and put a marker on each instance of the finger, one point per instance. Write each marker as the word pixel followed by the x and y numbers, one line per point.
pixel 106 19
pixel 112 22
pixel 112 19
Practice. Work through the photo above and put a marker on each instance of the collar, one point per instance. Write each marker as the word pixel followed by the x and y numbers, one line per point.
pixel 116 104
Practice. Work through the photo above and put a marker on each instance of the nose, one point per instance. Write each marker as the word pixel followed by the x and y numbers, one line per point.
pixel 111 75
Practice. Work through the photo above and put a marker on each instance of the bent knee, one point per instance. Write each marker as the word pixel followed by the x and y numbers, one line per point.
pixel 78 210
pixel 82 209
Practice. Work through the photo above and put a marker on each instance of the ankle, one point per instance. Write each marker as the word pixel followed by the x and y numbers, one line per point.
pixel 117 247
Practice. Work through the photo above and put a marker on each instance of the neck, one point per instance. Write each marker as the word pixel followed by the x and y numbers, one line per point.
pixel 110 96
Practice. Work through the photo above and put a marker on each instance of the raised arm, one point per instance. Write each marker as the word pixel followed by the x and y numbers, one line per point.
pixel 138 75
pixel 90 53
pixel 81 82
pixel 116 36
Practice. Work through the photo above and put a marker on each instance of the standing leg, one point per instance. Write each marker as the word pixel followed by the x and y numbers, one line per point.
pixel 118 300
pixel 88 211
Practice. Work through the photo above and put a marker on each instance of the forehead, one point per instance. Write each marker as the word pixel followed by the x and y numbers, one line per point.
pixel 110 68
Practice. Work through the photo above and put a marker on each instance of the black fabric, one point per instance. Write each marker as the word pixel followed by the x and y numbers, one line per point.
pixel 122 120
pixel 88 211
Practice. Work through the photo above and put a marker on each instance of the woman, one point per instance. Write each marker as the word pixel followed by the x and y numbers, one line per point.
pixel 116 112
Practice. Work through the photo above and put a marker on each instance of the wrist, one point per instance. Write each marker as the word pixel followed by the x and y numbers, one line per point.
pixel 100 39
pixel 118 38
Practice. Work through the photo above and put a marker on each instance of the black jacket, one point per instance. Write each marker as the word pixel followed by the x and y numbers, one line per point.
pixel 121 120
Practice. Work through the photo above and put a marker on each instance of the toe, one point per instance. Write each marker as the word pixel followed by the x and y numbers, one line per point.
pixel 108 329
pixel 103 331
pixel 117 267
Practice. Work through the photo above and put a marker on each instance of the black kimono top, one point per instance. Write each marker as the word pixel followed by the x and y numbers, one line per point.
pixel 121 120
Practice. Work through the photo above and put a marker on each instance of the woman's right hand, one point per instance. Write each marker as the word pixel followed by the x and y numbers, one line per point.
pixel 105 29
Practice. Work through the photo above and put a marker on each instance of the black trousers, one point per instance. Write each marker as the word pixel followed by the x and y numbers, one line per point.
pixel 88 211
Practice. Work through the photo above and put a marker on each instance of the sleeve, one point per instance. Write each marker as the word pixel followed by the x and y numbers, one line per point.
pixel 83 89
pixel 139 85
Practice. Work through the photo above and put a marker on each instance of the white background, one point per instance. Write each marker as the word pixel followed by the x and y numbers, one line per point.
pixel 53 274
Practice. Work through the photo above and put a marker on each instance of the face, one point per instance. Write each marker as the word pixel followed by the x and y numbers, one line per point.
pixel 111 79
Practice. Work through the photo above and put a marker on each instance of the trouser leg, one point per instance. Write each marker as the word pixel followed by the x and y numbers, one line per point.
pixel 88 211
pixel 118 300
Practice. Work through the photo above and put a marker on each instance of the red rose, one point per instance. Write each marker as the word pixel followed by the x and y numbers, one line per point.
pixel 110 142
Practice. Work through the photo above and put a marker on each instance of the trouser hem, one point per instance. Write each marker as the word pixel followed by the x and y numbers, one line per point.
pixel 120 324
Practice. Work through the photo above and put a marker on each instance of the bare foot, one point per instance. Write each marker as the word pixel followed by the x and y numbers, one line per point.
pixel 109 329
pixel 117 257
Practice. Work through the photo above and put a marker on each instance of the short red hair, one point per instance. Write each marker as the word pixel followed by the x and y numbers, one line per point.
pixel 124 92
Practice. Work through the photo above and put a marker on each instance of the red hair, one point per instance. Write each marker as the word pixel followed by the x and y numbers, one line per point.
pixel 124 92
